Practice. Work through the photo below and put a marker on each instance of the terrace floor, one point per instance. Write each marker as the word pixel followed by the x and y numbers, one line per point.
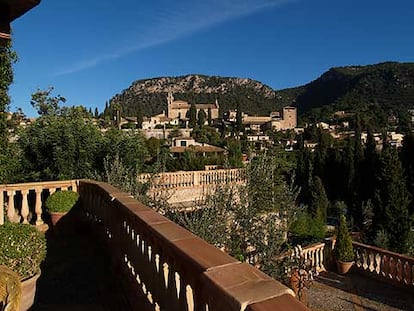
pixel 76 273
pixel 356 292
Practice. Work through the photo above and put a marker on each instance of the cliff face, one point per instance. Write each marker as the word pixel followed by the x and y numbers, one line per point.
pixel 150 94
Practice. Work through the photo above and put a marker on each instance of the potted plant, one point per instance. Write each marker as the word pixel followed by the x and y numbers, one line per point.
pixel 343 250
pixel 59 203
pixel 22 249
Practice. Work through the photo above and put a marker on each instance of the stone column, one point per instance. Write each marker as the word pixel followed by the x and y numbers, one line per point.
pixel 25 205
pixel 196 179
pixel 1 205
pixel 38 206
pixel 11 212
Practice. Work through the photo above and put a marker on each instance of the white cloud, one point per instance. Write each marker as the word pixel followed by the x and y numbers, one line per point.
pixel 171 23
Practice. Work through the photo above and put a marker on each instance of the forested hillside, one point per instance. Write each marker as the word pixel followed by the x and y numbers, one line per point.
pixel 376 91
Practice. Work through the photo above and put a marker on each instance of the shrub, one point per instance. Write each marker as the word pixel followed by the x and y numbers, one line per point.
pixel 62 201
pixel 343 250
pixel 22 248
pixel 306 226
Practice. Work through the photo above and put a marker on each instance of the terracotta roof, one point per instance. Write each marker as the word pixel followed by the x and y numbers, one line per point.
pixel 197 149
pixel 179 104
pixel 206 106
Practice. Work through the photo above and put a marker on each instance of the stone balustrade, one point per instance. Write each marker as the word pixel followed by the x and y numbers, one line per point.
pixel 170 268
pixel 185 179
pixel 23 202
pixel 313 255
pixel 385 265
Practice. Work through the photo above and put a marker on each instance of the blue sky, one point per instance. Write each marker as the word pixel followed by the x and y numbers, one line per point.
pixel 91 50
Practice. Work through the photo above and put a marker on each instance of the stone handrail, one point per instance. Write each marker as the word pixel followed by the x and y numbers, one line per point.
pixel 24 202
pixel 184 179
pixel 385 265
pixel 171 268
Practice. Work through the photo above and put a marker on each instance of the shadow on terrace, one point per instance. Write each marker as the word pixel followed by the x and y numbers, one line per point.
pixel 114 253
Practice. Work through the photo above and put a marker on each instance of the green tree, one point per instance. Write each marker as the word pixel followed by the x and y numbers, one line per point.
pixel 7 152
pixel 201 118
pixel 235 154
pixel 209 117
pixel 343 249
pixel 130 148
pixel 407 159
pixel 140 117
pixel 239 120
pixel 251 217
pixel 319 201
pixel 62 146
pixel 391 201
pixel 46 104
pixel 192 115
pixel 96 115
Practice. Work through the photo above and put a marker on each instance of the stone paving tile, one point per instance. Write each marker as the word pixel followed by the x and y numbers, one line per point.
pixel 76 275
pixel 332 292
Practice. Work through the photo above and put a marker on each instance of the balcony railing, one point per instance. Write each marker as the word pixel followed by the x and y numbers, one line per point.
pixel 159 260
pixel 24 202
pixel 385 265
pixel 185 179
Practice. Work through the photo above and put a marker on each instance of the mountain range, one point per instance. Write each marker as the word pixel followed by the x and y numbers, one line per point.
pixel 373 90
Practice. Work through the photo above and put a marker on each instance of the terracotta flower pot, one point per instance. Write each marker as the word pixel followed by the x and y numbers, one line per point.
pixel 28 292
pixel 55 217
pixel 344 266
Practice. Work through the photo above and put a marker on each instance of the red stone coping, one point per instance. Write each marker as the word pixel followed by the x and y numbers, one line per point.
pixel 217 278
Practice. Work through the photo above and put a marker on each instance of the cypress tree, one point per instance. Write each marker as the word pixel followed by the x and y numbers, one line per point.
pixel 239 120
pixel 192 115
pixel 140 117
pixel 209 117
pixel 201 118
pixel 319 201
pixel 407 159
pixel 96 113
pixel 391 201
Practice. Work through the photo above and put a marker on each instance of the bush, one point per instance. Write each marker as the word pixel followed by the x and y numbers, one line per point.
pixel 22 248
pixel 343 250
pixel 307 227
pixel 62 201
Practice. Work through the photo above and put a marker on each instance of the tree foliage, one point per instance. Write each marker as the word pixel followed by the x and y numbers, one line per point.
pixel 7 58
pixel 46 104
pixel 343 250
pixel 252 218
pixel 57 147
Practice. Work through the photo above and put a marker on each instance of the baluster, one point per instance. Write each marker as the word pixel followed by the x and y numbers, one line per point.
pixel 1 206
pixel 38 206
pixel 378 263
pixel 189 298
pixel 391 274
pixel 11 211
pixel 399 270
pixel 385 266
pixel 406 277
pixel 412 273
pixel 25 205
